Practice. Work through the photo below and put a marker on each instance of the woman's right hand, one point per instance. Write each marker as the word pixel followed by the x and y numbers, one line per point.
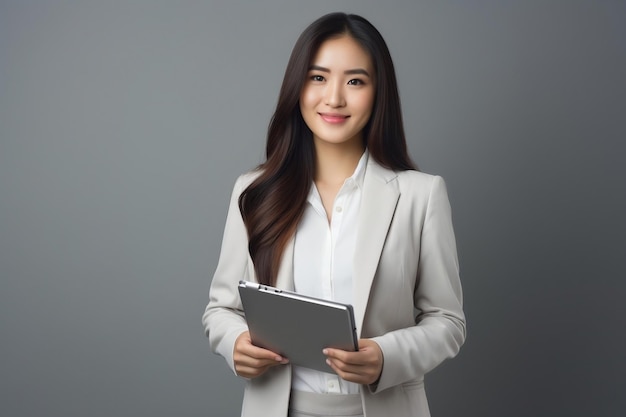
pixel 252 361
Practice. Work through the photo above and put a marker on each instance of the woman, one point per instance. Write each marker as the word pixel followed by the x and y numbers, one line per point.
pixel 338 211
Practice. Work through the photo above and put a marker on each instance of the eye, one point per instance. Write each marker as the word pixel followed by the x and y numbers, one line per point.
pixel 317 78
pixel 355 81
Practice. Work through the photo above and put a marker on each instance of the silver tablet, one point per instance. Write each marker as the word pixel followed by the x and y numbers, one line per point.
pixel 296 326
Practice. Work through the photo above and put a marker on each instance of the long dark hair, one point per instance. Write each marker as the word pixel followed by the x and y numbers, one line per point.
pixel 274 202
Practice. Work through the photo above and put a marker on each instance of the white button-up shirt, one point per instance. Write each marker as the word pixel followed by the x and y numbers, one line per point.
pixel 322 263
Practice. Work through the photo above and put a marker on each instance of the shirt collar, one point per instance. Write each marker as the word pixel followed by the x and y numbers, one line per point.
pixel 357 178
pixel 359 172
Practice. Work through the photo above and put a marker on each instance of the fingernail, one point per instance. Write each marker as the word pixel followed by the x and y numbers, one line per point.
pixel 327 361
pixel 325 351
pixel 278 359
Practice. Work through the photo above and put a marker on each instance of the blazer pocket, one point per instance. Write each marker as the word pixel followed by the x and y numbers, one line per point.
pixel 412 385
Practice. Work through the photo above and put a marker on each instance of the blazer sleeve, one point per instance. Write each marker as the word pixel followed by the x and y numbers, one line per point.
pixel 440 328
pixel 223 318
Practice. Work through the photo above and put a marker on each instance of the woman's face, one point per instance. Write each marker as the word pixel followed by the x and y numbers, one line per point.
pixel 338 94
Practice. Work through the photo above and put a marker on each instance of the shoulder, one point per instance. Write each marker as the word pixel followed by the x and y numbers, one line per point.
pixel 244 180
pixel 409 181
pixel 422 188
pixel 414 179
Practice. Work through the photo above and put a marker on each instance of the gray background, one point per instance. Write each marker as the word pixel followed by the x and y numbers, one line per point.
pixel 123 125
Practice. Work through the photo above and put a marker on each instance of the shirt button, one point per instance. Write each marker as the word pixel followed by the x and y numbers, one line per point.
pixel 332 387
pixel 339 209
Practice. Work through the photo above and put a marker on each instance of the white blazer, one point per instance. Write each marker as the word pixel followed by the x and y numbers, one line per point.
pixel 407 292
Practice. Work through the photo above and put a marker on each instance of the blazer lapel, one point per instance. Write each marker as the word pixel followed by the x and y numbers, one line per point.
pixel 378 204
pixel 284 279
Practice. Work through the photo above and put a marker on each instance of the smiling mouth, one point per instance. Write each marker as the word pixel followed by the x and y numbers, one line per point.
pixel 333 118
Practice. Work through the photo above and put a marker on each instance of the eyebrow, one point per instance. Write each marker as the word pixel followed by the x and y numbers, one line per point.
pixel 347 72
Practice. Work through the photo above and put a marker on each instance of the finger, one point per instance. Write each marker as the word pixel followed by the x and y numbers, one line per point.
pixel 250 367
pixel 243 360
pixel 357 375
pixel 365 343
pixel 244 345
pixel 257 357
pixel 363 366
pixel 354 358
pixel 260 353
pixel 366 346
pixel 338 354
pixel 348 367
pixel 248 372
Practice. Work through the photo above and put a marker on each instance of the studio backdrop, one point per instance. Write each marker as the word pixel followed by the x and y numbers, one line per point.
pixel 124 124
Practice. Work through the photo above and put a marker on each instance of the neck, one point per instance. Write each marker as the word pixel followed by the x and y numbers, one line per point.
pixel 335 163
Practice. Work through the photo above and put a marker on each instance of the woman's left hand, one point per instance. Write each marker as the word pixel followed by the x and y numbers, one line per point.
pixel 362 367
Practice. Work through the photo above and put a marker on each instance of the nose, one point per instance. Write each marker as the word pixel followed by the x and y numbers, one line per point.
pixel 334 95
